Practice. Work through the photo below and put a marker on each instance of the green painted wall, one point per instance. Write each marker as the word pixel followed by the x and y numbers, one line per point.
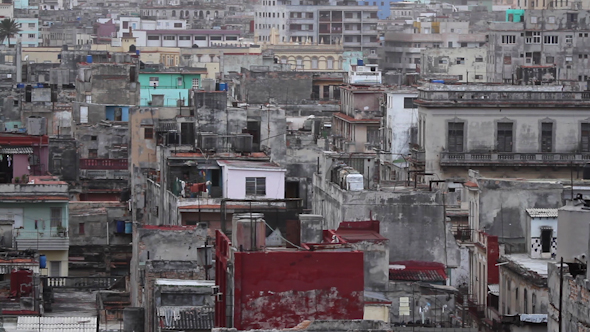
pixel 42 213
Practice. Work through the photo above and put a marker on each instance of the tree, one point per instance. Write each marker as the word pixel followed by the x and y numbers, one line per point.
pixel 8 27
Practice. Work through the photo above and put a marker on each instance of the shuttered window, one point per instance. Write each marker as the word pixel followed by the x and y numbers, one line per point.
pixel 585 140
pixel 455 136
pixel 504 143
pixel 546 137
pixel 255 186
pixel 55 217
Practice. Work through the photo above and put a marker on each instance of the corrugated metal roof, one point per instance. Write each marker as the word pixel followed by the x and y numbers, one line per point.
pixel 417 271
pixel 77 324
pixel 17 150
pixel 494 289
pixel 184 317
pixel 542 213
pixel 533 318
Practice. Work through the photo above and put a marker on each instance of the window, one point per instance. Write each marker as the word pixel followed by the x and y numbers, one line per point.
pixel 89 99
pixel 409 102
pixel 479 59
pixel 546 239
pixel 200 38
pixel 314 63
pixel 550 40
pixel 125 24
pixel 532 37
pixel 572 17
pixel 153 38
pixel 56 217
pixel 215 38
pixel 549 59
pixel 255 186
pixel 443 61
pixel 55 268
pixel 31 25
pixel 504 139
pixel 169 38
pixel 585 137
pixel 195 82
pixel 479 77
pixel 569 39
pixel 551 19
pixel 178 25
pixel 93 138
pixel 148 133
pixel 154 81
pixel 330 64
pixel 184 37
pixel 533 19
pixel 81 228
pixel 92 153
pixel 546 137
pixel 460 61
pixel 455 136
pixel 231 38
pixel 534 303
pixel 179 81
pixel 508 39
pixel 373 135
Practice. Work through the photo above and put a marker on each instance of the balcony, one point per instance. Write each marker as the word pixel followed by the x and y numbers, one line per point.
pixel 417 155
pixel 120 164
pixel 52 239
pixel 547 159
pixel 464 234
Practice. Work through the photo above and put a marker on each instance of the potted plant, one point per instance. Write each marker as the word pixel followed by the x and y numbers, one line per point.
pixel 17 179
pixel 25 178
pixel 61 231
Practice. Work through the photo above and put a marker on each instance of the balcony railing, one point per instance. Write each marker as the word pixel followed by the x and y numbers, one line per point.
pixel 417 155
pixel 464 234
pixel 512 159
pixel 103 164
pixel 81 282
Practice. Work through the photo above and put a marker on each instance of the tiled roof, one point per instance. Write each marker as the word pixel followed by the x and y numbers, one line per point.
pixel 542 213
pixel 17 150
pixel 78 324
pixel 417 271
pixel 186 318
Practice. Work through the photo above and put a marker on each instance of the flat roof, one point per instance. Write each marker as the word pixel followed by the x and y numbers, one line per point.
pixel 193 31
pixel 180 282
pixel 250 164
pixel 538 266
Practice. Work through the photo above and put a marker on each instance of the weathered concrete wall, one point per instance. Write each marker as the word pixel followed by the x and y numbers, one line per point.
pixel 447 61
pixel 576 301
pixel 277 290
pixel 376 267
pixel 109 141
pixel 63 158
pixel 95 216
pixel 284 87
pixel 413 221
pixel 177 243
pixel 515 285
pixel 503 204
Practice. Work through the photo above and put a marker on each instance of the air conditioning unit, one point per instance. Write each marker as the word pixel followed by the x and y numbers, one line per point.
pixel 242 143
pixel 207 142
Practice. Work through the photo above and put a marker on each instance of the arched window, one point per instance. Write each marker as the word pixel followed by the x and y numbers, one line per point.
pixel 525 302
pixel 173 13
pixel 299 63
pixel 314 63
pixel 330 63
pixel 534 303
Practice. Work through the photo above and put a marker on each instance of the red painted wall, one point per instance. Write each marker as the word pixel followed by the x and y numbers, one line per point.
pixel 275 290
pixel 493 253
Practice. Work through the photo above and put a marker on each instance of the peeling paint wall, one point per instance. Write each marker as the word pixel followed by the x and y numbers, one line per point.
pixel 576 301
pixel 282 289
pixel 503 204
pixel 283 87
pixel 466 64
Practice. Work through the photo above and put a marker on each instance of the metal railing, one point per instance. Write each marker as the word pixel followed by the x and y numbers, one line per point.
pixel 81 282
pixel 464 234
pixel 103 164
pixel 513 158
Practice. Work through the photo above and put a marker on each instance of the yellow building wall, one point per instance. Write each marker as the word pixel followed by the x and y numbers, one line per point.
pixel 41 54
pixel 376 312
pixel 55 255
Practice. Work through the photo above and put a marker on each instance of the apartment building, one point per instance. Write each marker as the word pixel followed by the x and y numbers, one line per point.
pixel 542 47
pixel 467 65
pixel 353 26
pixel 403 44
pixel 501 130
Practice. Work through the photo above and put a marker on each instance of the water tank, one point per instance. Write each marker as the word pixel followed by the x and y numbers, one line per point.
pixel 121 226
pixel 42 261
pixel 222 86
pixel 20 86
pixel 360 62
pixel 89 58
pixel 137 52
pixel 586 172
pixel 128 227
pixel 354 182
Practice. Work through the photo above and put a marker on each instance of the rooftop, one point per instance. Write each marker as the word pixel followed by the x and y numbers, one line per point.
pixel 417 271
pixel 180 282
pixel 528 264
pixel 542 213
pixel 247 164
pixel 194 31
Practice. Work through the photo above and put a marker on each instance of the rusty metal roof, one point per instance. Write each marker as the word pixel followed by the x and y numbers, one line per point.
pixel 417 271
pixel 17 150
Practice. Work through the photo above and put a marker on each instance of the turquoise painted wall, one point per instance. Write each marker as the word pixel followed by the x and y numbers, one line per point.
pixel 173 86
pixel 41 212
pixel 517 15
